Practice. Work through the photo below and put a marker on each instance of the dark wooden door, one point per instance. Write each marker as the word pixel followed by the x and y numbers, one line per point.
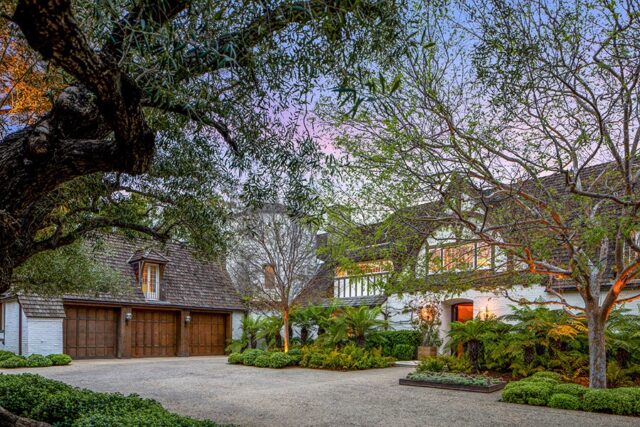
pixel 90 332
pixel 207 334
pixel 153 333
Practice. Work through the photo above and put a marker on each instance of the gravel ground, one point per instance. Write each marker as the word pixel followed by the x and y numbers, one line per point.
pixel 206 387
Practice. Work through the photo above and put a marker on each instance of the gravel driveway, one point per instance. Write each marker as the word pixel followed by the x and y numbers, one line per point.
pixel 206 387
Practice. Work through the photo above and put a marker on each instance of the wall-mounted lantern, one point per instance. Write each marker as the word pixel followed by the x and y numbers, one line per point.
pixel 128 316
pixel 187 319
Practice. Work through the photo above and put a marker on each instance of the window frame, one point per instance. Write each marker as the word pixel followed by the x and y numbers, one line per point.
pixel 155 292
pixel 441 256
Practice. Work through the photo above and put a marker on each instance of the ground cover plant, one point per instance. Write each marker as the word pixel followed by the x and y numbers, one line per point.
pixel 265 359
pixel 9 360
pixel 349 357
pixel 453 378
pixel 32 396
pixel 547 389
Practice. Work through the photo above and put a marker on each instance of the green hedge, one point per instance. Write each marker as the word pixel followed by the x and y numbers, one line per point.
pixel 546 389
pixel 9 360
pixel 263 359
pixel 388 340
pixel 54 402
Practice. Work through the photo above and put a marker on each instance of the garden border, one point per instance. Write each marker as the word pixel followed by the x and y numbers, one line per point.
pixel 460 387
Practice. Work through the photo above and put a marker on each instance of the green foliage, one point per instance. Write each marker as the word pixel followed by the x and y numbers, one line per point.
pixel 387 340
pixel 235 358
pixel 56 403
pixel 404 352
pixel 620 401
pixel 14 362
pixel 38 361
pixel 279 360
pixel 565 401
pixel 349 357
pixel 452 378
pixel 432 364
pixel 569 388
pixel 6 355
pixel 445 364
pixel 249 356
pixel 529 392
pixel 546 389
pixel 262 360
pixel 60 359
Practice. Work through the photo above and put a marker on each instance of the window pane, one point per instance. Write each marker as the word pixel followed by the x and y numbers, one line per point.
pixel 435 260
pixel 483 256
pixel 457 258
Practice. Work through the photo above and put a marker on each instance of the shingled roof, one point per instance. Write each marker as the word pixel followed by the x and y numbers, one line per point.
pixel 40 306
pixel 187 281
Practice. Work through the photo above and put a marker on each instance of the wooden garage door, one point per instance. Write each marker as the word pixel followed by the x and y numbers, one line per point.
pixel 153 333
pixel 90 332
pixel 207 334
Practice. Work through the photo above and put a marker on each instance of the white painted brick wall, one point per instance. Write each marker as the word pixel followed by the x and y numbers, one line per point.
pixel 44 336
pixel 11 322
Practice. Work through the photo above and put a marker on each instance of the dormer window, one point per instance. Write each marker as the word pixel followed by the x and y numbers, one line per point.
pixel 151 281
pixel 148 268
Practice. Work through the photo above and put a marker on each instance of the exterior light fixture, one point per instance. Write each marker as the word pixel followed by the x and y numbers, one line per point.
pixel 187 319
pixel 128 316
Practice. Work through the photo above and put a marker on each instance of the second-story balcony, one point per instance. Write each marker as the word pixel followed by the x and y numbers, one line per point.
pixel 359 285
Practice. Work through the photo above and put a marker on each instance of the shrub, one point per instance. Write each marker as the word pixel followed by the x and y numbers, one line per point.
pixel 530 392
pixel 295 354
pixel 235 358
pixel 404 352
pixel 452 378
pixel 57 403
pixel 431 364
pixel 14 362
pixel 279 360
pixel 262 360
pixel 387 340
pixel 6 355
pixel 60 359
pixel 565 401
pixel 548 375
pixel 38 361
pixel 620 401
pixel 350 357
pixel 249 356
pixel 572 389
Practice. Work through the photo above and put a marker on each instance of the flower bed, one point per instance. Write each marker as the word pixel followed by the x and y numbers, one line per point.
pixel 57 403
pixel 546 389
pixel 453 381
pixel 9 360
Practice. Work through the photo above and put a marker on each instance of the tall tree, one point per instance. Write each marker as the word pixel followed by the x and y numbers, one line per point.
pixel 273 261
pixel 521 119
pixel 166 109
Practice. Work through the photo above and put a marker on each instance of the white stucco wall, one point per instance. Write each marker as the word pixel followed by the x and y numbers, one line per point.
pixel 43 336
pixel 236 324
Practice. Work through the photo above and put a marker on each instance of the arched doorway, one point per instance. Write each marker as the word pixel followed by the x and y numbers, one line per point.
pixel 462 312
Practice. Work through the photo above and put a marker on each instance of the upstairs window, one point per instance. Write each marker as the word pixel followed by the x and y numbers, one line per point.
pixel 366 268
pixel 466 257
pixel 269 277
pixel 151 281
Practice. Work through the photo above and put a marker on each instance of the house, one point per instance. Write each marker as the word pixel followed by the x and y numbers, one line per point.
pixel 455 274
pixel 177 305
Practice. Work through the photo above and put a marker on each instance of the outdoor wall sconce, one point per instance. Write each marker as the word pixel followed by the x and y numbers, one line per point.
pixel 128 316
pixel 187 319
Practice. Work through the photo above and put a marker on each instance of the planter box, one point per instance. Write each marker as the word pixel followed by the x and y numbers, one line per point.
pixel 460 387
pixel 425 352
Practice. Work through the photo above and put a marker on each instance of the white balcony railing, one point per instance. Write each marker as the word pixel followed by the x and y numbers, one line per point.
pixel 360 285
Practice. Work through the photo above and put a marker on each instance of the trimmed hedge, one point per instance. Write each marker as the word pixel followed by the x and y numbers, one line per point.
pixel 263 359
pixel 404 352
pixel 54 402
pixel 9 360
pixel 565 401
pixel 388 340
pixel 544 388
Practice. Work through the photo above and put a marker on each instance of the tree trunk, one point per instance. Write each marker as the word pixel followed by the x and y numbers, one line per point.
pixel 286 330
pixel 597 351
pixel 7 419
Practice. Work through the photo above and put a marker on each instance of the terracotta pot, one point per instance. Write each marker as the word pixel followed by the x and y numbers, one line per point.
pixel 424 352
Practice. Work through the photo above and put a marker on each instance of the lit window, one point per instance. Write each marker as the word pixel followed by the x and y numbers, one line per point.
pixel 464 257
pixel 364 268
pixel 483 256
pixel 151 281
